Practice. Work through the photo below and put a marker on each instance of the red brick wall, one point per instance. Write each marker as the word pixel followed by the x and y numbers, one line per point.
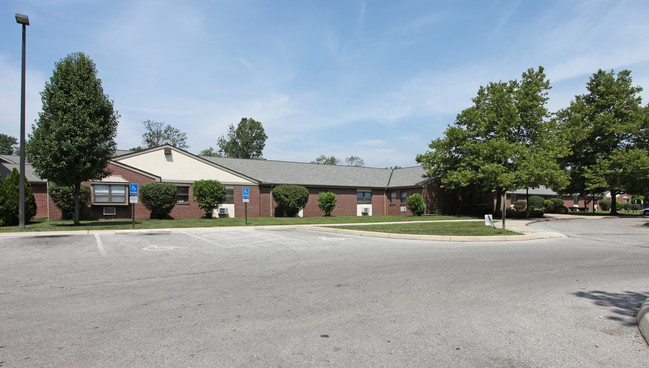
pixel 94 212
pixel 255 203
pixel 40 194
pixel 395 209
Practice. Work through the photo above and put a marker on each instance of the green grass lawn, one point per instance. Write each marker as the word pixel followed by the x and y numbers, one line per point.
pixel 469 228
pixel 41 224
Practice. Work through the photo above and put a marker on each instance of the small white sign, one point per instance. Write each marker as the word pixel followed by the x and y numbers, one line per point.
pixel 489 220
pixel 246 200
pixel 132 199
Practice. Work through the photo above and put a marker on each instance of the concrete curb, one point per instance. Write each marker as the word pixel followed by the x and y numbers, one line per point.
pixel 643 320
pixel 527 235
pixel 143 232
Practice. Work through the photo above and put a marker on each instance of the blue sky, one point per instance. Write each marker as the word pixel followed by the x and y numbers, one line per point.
pixel 375 79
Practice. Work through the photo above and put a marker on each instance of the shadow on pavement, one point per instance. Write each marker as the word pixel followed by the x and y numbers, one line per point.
pixel 623 306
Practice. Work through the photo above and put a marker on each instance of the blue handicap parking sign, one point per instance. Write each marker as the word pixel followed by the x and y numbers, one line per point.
pixel 246 192
pixel 133 189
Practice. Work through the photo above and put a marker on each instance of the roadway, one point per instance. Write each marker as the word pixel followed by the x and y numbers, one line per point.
pixel 295 298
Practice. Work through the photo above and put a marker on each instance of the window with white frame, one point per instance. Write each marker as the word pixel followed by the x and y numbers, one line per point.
pixel 393 198
pixel 109 193
pixel 182 194
pixel 364 197
pixel 229 194
pixel 404 197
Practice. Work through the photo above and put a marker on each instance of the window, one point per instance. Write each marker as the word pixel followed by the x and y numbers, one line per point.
pixel 229 194
pixel 575 201
pixel 626 200
pixel 513 198
pixel 364 197
pixel 182 195
pixel 404 197
pixel 393 198
pixel 109 193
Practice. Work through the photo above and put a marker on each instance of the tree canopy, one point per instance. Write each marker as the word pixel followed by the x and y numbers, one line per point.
pixel 158 134
pixel 247 140
pixel 354 161
pixel 210 152
pixel 608 132
pixel 503 142
pixel 7 144
pixel 74 137
pixel 326 160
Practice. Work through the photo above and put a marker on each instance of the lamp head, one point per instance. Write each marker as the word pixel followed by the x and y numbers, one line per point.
pixel 22 19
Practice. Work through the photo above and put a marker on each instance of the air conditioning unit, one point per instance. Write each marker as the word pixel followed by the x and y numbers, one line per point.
pixel 365 210
pixel 223 211
pixel 110 211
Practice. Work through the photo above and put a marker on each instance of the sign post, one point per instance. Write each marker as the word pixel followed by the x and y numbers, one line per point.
pixel 133 199
pixel 246 198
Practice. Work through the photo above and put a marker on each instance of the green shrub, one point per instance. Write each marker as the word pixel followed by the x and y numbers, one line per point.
pixel 63 198
pixel 209 194
pixel 535 213
pixel 535 202
pixel 557 202
pixel 605 204
pixel 326 203
pixel 10 195
pixel 159 198
pixel 291 198
pixel 416 204
pixel 547 204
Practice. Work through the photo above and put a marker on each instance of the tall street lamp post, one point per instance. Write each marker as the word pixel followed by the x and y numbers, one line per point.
pixel 24 20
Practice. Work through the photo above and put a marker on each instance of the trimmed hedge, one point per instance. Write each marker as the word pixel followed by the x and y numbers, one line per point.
pixel 209 194
pixel 416 204
pixel 327 203
pixel 159 198
pixel 291 198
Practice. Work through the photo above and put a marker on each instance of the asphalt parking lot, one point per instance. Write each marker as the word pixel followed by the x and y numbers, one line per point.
pixel 242 297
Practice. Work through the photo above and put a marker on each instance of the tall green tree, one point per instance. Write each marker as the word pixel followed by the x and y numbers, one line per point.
pixel 10 200
pixel 158 134
pixel 74 137
pixel 209 151
pixel 7 144
pixel 247 140
pixel 608 132
pixel 354 161
pixel 504 142
pixel 326 160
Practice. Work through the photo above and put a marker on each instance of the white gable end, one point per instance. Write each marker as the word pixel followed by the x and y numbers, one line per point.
pixel 180 167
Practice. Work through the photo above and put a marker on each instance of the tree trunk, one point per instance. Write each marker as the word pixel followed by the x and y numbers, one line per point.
pixel 613 203
pixel 75 196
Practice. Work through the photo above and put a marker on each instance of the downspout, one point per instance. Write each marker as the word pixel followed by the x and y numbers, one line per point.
pixel 47 189
pixel 385 194
pixel 270 200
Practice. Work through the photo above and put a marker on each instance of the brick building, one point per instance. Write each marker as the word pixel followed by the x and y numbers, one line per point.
pixel 360 191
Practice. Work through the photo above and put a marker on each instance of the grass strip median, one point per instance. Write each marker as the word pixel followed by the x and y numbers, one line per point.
pixel 41 224
pixel 456 228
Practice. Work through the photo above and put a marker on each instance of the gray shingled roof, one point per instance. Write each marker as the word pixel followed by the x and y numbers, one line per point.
pixel 5 169
pixel 535 191
pixel 299 173
pixel 408 177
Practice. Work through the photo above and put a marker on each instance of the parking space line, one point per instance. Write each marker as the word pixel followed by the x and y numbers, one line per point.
pixel 100 246
pixel 203 239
